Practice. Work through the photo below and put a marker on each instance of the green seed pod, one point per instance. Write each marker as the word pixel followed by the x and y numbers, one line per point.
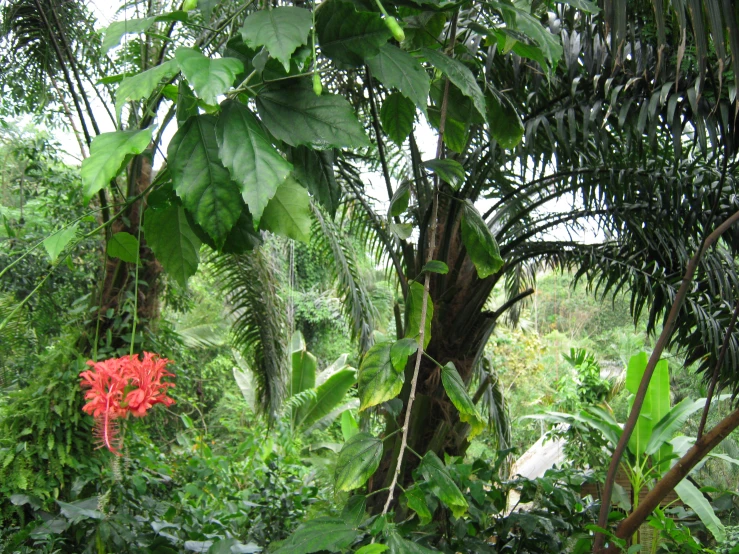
pixel 188 5
pixel 392 24
pixel 317 86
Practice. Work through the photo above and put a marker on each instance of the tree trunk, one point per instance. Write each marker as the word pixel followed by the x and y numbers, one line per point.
pixel 459 331
pixel 119 279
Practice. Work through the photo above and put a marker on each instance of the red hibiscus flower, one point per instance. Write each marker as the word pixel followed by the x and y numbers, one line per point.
pixel 118 386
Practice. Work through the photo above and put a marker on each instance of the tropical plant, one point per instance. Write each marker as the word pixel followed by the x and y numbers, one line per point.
pixel 574 119
pixel 654 446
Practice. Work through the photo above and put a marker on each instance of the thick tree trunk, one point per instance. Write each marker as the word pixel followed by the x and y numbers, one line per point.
pixel 459 331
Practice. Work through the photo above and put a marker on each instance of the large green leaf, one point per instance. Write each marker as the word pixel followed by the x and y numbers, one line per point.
pixel 297 116
pixel 358 460
pixel 173 242
pixel 56 243
pixel 396 68
pixel 448 170
pixel 416 500
pixel 109 154
pixel 323 533
pixel 379 380
pixel 673 422
pixel 142 85
pixel 123 246
pixel 400 351
pixel 460 75
pixel 503 121
pixel 694 498
pixel 314 169
pixel 399 545
pixel 457 392
pixel 414 303
pixel 481 245
pixel 304 367
pixel 248 154
pixel 397 115
pixel 280 29
pixel 348 36
pixel 288 213
pixel 116 30
pixel 201 181
pixel 328 396
pixel 349 425
pixel 209 77
pixel 442 484
pixel 656 402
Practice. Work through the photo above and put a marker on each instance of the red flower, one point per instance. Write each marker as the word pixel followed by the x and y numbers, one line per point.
pixel 122 385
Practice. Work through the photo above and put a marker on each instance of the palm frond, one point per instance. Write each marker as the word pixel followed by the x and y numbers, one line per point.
pixel 357 305
pixel 259 321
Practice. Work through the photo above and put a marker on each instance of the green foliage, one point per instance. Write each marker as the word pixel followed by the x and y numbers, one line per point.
pixel 45 439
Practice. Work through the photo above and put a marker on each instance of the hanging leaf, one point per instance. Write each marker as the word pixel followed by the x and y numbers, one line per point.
pixel 304 365
pixel 314 169
pixel 109 154
pixel 209 77
pixel 503 121
pixel 288 213
pixel 413 313
pixel 457 392
pixel 358 460
pixel 173 242
pixel 323 533
pixel 449 171
pixel 480 243
pixel 397 115
pixel 297 116
pixel 248 154
pixel 142 85
pixel 349 425
pixel 56 243
pixel 242 237
pixel 416 501
pixel 124 246
pixel 280 29
pixel 693 497
pixel 399 201
pixel 442 484
pixel 201 181
pixel 436 266
pixel 399 545
pixel 355 511
pixel 116 30
pixel 397 69
pixel 187 103
pixel 460 75
pixel 379 380
pixel 401 230
pixel 400 351
pixel 348 36
pixel 328 396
